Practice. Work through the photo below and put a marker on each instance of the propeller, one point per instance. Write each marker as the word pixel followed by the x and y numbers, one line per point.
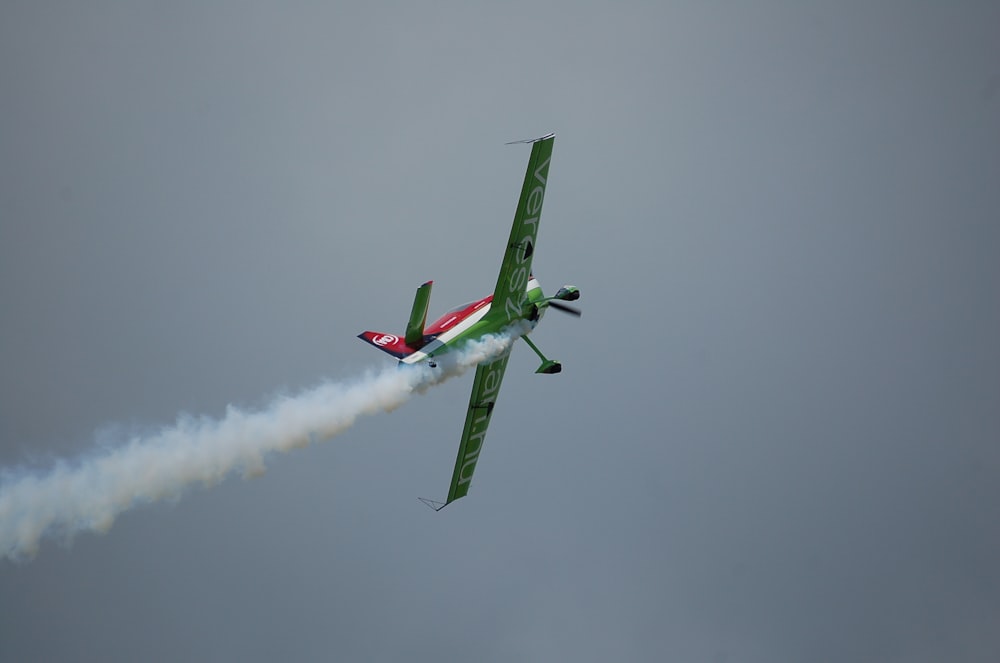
pixel 559 306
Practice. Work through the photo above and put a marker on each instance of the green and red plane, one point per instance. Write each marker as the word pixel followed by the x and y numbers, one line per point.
pixel 517 300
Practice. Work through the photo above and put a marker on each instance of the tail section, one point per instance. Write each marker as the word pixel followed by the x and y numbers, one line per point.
pixel 390 343
pixel 414 339
pixel 418 316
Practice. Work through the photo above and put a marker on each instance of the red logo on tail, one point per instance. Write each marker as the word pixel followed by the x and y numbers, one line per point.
pixel 385 339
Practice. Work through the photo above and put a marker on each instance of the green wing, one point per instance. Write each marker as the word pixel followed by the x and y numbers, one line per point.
pixel 484 396
pixel 509 295
pixel 485 388
pixel 508 302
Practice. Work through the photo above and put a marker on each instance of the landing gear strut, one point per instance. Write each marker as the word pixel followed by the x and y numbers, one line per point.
pixel 548 366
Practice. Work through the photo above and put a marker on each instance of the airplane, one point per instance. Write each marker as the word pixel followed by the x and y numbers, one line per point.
pixel 517 299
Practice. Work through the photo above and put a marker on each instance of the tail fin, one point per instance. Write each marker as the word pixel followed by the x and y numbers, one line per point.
pixel 418 316
pixel 390 343
pixel 413 340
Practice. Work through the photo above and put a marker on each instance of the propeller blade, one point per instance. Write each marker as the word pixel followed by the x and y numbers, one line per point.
pixel 559 306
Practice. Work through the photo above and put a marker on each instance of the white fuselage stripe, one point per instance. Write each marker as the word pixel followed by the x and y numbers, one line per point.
pixel 447 336
pixel 450 335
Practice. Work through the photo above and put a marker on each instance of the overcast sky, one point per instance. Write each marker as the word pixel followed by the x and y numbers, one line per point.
pixel 775 437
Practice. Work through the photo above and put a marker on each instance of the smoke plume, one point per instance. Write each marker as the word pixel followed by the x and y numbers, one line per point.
pixel 89 493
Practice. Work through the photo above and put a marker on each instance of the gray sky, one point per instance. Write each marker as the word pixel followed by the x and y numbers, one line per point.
pixel 775 436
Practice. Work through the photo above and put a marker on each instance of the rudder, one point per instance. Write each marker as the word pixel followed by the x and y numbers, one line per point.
pixel 418 316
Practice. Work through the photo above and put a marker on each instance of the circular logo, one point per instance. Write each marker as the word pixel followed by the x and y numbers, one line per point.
pixel 385 339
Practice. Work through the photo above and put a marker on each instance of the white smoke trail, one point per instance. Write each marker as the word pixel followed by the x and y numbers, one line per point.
pixel 89 494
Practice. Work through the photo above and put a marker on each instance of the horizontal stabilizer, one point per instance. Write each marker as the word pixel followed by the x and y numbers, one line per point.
pixel 390 343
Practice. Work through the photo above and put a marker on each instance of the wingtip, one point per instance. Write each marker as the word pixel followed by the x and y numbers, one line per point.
pixel 532 140
pixel 434 504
